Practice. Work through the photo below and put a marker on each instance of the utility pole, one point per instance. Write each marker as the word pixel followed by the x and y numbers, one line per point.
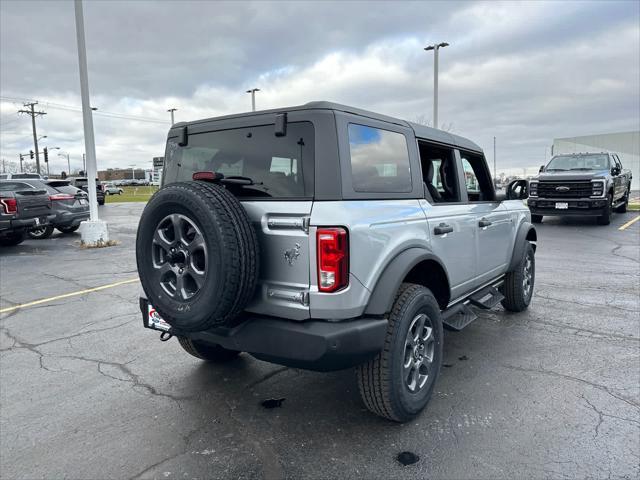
pixel 171 110
pixel 34 114
pixel 21 163
pixel 84 164
pixel 253 98
pixel 436 47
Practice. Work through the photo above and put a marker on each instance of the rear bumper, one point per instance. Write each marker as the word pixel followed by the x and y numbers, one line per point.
pixel 583 206
pixel 68 219
pixel 313 344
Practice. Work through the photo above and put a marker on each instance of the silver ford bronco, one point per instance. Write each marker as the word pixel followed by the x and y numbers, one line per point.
pixel 326 237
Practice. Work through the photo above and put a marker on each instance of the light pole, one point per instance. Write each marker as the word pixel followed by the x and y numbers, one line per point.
pixel 47 159
pixel 60 154
pixel 435 49
pixel 40 138
pixel 253 98
pixel 171 110
pixel 133 175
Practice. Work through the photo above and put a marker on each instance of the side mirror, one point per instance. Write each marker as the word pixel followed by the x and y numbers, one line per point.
pixel 541 169
pixel 615 171
pixel 518 190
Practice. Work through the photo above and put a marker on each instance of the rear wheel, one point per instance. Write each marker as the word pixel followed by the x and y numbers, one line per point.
pixel 12 239
pixel 209 352
pixel 623 208
pixel 605 218
pixel 536 218
pixel 68 229
pixel 518 285
pixel 41 232
pixel 397 384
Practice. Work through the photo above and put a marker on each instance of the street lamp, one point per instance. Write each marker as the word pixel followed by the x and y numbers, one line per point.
pixel 61 154
pixel 40 138
pixel 253 98
pixel 435 49
pixel 171 110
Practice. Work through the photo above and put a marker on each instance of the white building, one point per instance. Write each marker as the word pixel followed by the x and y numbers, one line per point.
pixel 625 144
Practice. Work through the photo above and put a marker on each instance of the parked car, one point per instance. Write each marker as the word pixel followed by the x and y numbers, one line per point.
pixel 588 184
pixel 111 189
pixel 325 237
pixel 82 183
pixel 22 208
pixel 70 205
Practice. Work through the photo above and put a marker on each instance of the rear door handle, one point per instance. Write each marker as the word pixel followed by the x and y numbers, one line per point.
pixel 442 229
pixel 484 223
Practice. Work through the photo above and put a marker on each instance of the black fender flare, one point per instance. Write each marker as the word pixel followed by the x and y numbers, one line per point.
pixel 384 293
pixel 524 230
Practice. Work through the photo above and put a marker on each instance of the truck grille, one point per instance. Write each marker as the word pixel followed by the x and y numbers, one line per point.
pixel 564 189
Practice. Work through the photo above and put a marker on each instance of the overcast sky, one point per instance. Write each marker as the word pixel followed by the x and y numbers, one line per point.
pixel 524 72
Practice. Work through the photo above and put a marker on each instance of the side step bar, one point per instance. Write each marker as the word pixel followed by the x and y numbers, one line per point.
pixel 459 316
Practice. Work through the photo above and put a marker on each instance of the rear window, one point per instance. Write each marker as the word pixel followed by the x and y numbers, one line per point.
pixel 14 186
pixel 26 175
pixel 279 167
pixel 379 160
pixel 66 188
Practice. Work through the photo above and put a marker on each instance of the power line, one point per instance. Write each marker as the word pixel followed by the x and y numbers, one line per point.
pixel 74 108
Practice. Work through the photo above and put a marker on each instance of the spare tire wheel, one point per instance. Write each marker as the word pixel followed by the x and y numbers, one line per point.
pixel 197 255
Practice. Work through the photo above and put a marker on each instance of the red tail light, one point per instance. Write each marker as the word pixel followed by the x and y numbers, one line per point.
pixel 61 196
pixel 333 259
pixel 9 205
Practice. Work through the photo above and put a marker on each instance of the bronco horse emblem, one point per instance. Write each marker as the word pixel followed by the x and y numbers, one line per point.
pixel 292 254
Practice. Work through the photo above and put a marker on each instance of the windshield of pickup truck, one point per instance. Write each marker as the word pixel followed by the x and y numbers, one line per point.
pixel 578 162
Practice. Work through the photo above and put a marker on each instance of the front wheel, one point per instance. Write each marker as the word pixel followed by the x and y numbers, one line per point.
pixel 518 285
pixel 209 352
pixel 68 229
pixel 397 383
pixel 605 218
pixel 41 232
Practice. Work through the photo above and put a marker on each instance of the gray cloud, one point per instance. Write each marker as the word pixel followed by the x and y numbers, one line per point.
pixel 524 72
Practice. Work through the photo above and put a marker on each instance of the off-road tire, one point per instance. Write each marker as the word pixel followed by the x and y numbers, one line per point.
pixel 623 208
pixel 12 239
pixel 209 352
pixel 380 380
pixel 516 299
pixel 100 202
pixel 68 229
pixel 605 218
pixel 536 218
pixel 41 233
pixel 233 259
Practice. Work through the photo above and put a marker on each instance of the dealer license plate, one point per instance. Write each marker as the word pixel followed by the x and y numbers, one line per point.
pixel 562 205
pixel 37 221
pixel 156 321
pixel 83 201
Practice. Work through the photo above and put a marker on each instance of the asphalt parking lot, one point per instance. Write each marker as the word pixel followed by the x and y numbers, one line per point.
pixel 86 392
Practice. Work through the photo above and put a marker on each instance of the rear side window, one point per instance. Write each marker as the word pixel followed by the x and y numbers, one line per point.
pixel 379 160
pixel 272 167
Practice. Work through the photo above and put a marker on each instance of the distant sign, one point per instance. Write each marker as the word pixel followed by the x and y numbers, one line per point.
pixel 158 162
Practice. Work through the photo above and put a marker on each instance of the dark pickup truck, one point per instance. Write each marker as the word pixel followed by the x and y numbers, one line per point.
pixel 21 208
pixel 589 184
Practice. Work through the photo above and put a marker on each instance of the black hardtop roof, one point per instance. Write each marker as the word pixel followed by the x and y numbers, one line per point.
pixel 421 131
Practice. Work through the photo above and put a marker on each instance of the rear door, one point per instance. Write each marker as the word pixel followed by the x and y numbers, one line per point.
pixel 274 180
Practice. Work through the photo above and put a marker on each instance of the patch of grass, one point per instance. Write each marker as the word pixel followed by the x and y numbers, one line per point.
pixel 634 207
pixel 132 194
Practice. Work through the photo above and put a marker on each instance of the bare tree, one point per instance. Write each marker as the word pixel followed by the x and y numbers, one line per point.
pixel 423 120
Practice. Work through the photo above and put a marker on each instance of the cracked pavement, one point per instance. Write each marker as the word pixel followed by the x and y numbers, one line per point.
pixel 86 392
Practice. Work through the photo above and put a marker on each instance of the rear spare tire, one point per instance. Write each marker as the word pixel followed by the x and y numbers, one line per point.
pixel 197 255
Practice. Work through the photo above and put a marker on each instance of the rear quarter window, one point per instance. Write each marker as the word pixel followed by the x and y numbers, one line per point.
pixel 379 160
pixel 14 186
pixel 279 167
